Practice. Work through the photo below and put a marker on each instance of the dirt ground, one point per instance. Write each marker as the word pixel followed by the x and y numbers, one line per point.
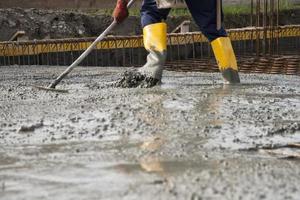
pixel 86 3
pixel 45 24
pixel 189 138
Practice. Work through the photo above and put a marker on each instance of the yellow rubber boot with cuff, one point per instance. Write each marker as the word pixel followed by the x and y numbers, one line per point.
pixel 226 59
pixel 155 42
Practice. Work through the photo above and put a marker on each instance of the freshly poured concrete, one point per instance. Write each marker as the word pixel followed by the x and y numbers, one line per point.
pixel 190 138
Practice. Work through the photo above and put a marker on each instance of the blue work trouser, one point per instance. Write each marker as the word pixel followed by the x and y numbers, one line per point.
pixel 204 13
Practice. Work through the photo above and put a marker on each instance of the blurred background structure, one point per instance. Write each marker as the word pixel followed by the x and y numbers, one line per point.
pixel 265 35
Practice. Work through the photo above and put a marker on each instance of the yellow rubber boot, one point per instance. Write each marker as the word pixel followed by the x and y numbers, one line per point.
pixel 155 42
pixel 226 59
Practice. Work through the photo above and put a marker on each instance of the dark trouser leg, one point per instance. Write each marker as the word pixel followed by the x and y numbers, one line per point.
pixel 150 14
pixel 204 13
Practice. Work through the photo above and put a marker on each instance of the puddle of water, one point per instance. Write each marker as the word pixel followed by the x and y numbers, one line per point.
pixel 178 104
pixel 6 160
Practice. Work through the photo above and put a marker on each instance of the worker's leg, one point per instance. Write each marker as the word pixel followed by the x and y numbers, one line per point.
pixel 205 14
pixel 155 38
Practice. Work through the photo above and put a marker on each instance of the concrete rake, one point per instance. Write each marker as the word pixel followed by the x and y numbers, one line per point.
pixel 52 86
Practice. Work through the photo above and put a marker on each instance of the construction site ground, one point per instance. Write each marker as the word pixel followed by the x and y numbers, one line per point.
pixel 190 138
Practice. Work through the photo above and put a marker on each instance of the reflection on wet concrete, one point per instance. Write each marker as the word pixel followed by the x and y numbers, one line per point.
pixel 153 144
pixel 149 162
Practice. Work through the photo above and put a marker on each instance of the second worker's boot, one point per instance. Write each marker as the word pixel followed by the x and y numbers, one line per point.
pixel 226 59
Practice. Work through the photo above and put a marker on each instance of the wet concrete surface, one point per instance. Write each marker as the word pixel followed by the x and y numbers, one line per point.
pixel 189 138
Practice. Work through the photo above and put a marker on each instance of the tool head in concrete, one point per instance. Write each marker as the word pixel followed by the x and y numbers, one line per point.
pixel 50 89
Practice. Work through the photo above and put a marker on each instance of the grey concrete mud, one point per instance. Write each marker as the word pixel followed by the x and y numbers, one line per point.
pixel 188 138
pixel 134 79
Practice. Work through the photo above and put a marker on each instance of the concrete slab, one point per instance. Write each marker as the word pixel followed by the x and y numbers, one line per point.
pixel 190 138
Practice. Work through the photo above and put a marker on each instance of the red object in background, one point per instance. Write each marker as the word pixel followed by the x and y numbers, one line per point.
pixel 121 11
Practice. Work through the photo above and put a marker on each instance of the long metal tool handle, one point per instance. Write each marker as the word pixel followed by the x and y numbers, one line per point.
pixel 219 14
pixel 86 52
